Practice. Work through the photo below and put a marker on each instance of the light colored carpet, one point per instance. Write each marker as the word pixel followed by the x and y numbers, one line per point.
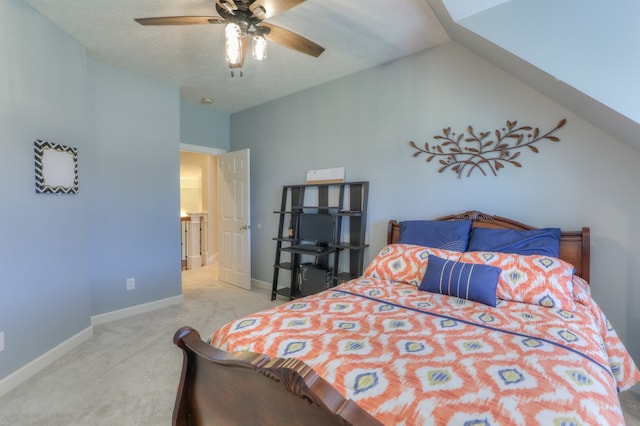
pixel 127 373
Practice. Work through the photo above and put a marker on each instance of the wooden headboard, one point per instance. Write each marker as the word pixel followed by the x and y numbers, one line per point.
pixel 574 245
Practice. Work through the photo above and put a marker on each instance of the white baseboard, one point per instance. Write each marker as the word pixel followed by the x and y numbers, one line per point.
pixel 19 376
pixel 135 310
pixel 262 285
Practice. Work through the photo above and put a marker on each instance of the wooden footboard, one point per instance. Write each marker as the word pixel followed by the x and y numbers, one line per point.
pixel 246 388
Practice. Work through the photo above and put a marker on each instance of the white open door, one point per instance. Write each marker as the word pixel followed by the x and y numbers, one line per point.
pixel 235 235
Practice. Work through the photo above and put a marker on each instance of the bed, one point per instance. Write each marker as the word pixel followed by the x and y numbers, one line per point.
pixel 396 347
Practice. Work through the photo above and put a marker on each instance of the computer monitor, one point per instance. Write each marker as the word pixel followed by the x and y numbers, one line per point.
pixel 316 228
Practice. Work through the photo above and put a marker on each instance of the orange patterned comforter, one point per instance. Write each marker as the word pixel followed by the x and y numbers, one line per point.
pixel 411 357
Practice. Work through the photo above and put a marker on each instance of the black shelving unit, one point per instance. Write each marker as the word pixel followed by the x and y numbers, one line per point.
pixel 346 204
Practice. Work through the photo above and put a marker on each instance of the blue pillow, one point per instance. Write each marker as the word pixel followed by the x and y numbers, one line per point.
pixel 544 241
pixel 446 234
pixel 464 280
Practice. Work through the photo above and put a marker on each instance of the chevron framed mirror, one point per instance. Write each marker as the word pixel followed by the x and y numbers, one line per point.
pixel 56 168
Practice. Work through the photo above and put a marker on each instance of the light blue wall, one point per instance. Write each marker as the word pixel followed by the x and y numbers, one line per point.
pixel 44 283
pixel 204 126
pixel 65 258
pixel 365 122
pixel 134 205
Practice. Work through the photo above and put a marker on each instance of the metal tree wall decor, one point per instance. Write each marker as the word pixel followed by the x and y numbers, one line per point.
pixel 478 151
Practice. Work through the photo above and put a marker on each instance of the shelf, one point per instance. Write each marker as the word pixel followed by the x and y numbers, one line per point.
pixel 311 252
pixel 348 213
pixel 306 185
pixel 343 259
pixel 329 210
pixel 347 246
pixel 284 265
pixel 317 207
pixel 285 239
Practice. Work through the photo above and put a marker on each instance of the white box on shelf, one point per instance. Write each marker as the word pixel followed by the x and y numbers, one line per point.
pixel 332 175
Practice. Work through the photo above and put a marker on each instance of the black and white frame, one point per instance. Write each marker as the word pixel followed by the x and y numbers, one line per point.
pixel 56 168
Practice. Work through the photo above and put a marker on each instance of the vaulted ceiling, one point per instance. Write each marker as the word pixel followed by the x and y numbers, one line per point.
pixel 583 55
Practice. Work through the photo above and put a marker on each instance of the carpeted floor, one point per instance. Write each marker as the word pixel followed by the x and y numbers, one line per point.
pixel 127 372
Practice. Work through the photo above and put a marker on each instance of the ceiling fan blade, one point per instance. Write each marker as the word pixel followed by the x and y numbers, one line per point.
pixel 180 20
pixel 229 5
pixel 291 40
pixel 272 7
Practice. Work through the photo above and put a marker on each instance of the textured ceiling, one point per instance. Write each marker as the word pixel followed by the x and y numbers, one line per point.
pixel 357 35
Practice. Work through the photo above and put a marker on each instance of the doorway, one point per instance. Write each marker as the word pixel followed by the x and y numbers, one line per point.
pixel 198 206
pixel 222 180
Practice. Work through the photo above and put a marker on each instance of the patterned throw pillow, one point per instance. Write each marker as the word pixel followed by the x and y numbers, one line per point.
pixel 538 280
pixel 469 281
pixel 404 263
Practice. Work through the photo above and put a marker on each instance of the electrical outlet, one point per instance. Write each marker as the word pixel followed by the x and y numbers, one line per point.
pixel 131 283
pixel 1 341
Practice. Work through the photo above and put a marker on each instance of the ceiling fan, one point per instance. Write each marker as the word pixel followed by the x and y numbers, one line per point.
pixel 245 18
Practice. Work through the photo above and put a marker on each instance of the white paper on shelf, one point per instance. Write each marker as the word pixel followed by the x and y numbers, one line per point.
pixel 332 175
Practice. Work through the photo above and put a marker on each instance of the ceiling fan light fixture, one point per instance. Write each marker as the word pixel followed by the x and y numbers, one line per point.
pixel 259 47
pixel 233 44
